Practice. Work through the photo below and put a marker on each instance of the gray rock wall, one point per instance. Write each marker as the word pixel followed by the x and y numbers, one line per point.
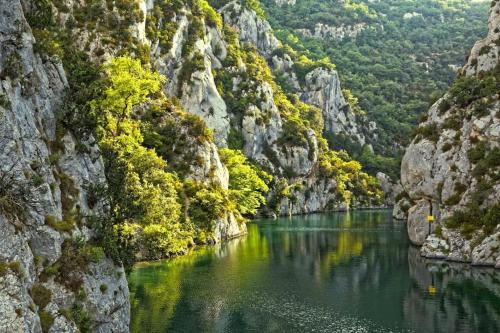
pixel 39 180
pixel 437 169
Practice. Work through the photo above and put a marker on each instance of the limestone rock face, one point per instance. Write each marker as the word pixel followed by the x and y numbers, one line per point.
pixel 198 93
pixel 34 190
pixel 390 188
pixel 418 225
pixel 447 165
pixel 285 2
pixel 324 31
pixel 321 86
pixel 484 55
pixel 322 89
pixel 251 28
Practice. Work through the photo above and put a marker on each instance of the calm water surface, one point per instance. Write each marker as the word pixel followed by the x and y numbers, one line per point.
pixel 342 272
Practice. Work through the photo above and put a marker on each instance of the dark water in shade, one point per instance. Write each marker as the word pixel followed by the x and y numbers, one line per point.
pixel 342 272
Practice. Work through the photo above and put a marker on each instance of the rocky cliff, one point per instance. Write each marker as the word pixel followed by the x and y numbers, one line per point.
pixel 218 76
pixel 317 85
pixel 52 277
pixel 58 173
pixel 451 168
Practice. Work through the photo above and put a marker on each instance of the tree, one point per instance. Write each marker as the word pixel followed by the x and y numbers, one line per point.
pixel 247 183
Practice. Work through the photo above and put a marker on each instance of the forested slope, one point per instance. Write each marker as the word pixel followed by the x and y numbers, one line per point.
pixel 397 57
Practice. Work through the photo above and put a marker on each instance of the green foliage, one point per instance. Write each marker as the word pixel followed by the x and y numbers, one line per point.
pixel 474 218
pixel 351 182
pixel 41 295
pixel 46 320
pixel 477 152
pixel 255 6
pixel 391 65
pixel 103 288
pixel 428 131
pixel 175 135
pixel 370 161
pixel 81 318
pixel 14 266
pixel 235 139
pixel 61 226
pixel 453 122
pixel 247 183
pixel 468 89
pixel 5 101
pixel 205 204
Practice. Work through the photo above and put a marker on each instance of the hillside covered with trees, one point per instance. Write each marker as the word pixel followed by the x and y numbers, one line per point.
pixel 396 57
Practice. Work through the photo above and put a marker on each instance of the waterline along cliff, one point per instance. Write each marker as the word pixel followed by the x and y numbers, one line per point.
pixel 135 130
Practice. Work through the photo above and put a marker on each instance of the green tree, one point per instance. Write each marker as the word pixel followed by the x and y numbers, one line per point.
pixel 247 183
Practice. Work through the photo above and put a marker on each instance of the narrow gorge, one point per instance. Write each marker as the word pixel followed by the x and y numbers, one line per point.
pixel 227 135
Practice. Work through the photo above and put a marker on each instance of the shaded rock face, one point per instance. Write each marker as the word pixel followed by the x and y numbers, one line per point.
pixel 34 191
pixel 390 188
pixel 442 166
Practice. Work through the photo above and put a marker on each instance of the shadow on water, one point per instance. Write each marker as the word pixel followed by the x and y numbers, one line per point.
pixel 342 272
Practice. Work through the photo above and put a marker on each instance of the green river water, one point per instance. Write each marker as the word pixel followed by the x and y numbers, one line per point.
pixel 339 272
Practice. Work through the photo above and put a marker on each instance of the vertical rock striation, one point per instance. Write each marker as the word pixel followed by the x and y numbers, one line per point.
pixel 45 176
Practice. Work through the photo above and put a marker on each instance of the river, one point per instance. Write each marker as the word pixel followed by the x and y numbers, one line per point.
pixel 339 272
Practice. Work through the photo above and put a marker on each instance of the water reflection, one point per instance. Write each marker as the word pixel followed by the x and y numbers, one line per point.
pixel 352 272
pixel 452 297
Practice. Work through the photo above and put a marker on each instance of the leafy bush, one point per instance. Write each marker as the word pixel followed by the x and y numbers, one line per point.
pixel 61 226
pixel 247 182
pixel 46 320
pixel 428 131
pixel 41 295
pixel 477 152
pixel 474 218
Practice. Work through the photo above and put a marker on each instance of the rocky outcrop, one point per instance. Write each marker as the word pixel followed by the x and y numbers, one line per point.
pixel 198 93
pixel 251 28
pixel 320 87
pixel 285 2
pixel 324 31
pixel 45 176
pixel 450 166
pixel 390 188
pixel 211 170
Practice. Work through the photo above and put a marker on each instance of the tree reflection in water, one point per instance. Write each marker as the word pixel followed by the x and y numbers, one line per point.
pixel 344 271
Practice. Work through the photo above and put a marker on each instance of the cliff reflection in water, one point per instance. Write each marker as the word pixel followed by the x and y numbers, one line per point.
pixel 452 297
pixel 345 271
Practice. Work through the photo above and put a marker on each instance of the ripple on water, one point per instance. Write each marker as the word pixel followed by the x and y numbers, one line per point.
pixel 310 318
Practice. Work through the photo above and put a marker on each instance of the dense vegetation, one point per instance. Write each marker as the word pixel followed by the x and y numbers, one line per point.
pixel 154 202
pixel 400 61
